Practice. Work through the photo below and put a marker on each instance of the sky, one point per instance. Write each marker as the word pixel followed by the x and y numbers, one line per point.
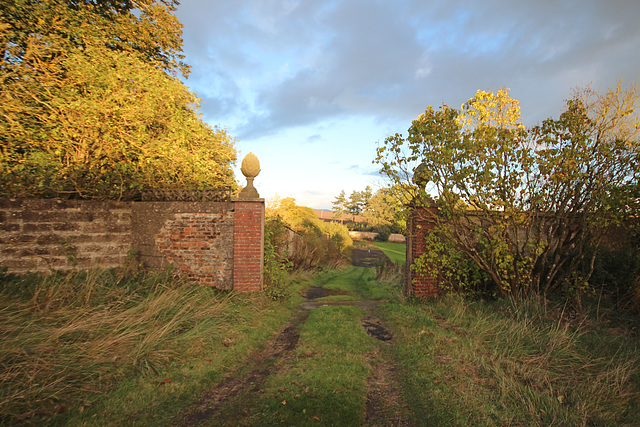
pixel 312 88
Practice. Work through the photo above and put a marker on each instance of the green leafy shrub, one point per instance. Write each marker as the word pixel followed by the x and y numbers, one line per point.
pixel 454 271
pixel 383 233
pixel 276 259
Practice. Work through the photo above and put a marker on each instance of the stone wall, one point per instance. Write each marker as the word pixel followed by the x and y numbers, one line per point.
pixel 216 244
pixel 41 235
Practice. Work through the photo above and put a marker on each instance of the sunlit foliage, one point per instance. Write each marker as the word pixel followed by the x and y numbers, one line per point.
pixel 92 105
pixel 528 207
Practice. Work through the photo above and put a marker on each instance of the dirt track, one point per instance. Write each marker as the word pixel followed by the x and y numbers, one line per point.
pixel 384 402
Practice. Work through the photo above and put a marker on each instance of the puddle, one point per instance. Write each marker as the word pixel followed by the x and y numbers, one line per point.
pixel 374 328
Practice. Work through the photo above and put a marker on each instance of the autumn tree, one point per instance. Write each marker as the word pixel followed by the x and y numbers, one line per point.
pixel 528 208
pixel 379 211
pixel 92 105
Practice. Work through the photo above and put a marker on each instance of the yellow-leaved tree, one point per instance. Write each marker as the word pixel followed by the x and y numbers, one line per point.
pixel 520 211
pixel 92 106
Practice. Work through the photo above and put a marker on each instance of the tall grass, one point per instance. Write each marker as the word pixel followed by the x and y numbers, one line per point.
pixel 508 363
pixel 68 338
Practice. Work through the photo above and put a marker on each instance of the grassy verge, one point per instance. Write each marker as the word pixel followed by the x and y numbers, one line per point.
pixel 107 349
pixel 474 363
pixel 110 349
pixel 395 251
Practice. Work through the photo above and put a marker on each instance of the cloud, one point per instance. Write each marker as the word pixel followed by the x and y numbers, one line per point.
pixel 273 65
pixel 314 138
pixel 366 171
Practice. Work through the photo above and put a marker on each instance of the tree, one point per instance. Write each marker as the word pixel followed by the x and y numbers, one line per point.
pixel 92 106
pixel 358 201
pixel 146 28
pixel 379 212
pixel 529 208
pixel 339 205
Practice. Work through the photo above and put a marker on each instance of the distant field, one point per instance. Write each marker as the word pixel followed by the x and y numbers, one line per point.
pixel 395 251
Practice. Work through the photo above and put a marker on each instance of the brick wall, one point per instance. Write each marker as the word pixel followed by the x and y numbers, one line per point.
pixel 248 246
pixel 196 237
pixel 203 240
pixel 419 223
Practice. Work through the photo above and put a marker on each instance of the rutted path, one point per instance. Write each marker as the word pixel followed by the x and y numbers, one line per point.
pixel 384 403
pixel 278 349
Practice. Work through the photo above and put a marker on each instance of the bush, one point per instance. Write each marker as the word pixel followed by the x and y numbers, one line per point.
pixel 319 244
pixel 383 233
pixel 616 275
pixel 276 262
pixel 454 271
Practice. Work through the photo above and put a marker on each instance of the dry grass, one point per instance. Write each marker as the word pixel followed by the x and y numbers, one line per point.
pixel 69 338
pixel 515 363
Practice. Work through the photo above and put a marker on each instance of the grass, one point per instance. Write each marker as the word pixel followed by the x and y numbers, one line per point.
pixel 311 388
pixel 324 381
pixel 506 363
pixel 108 348
pixel 359 282
pixel 395 251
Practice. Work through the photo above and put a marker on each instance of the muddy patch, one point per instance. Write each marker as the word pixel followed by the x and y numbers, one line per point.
pixel 376 329
pixel 365 305
pixel 263 366
pixel 316 292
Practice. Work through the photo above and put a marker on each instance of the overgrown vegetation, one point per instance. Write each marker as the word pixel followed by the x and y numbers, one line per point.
pixel 92 106
pixel 312 243
pixel 108 347
pixel 528 208
pixel 511 362
pixel 276 261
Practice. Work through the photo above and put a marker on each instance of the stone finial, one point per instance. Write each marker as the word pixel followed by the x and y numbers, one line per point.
pixel 250 169
pixel 419 178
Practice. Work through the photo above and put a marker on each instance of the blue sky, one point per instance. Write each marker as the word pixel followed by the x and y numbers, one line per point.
pixel 312 87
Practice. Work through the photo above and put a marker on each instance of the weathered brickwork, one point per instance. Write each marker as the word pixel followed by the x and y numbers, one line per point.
pixel 248 245
pixel 189 241
pixel 196 237
pixel 419 224
pixel 217 244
